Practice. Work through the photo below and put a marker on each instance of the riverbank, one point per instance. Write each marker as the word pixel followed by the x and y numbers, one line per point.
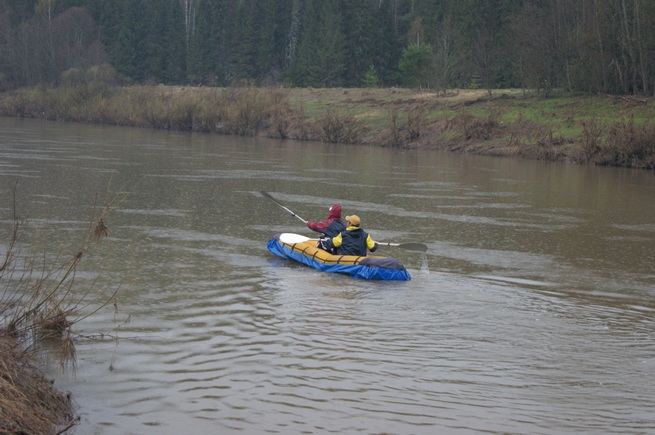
pixel 38 310
pixel 28 403
pixel 599 130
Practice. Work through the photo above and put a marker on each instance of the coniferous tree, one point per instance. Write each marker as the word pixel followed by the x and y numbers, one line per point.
pixel 248 39
pixel 591 45
pixel 281 31
pixel 320 54
pixel 388 45
pixel 358 25
pixel 307 45
pixel 200 61
pixel 258 59
pixel 174 52
pixel 127 50
pixel 214 46
pixel 230 43
pixel 152 31
pixel 415 65
pixel 107 15
pixel 293 39
pixel 275 24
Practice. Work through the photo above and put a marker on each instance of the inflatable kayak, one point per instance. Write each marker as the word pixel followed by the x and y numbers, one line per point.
pixel 369 267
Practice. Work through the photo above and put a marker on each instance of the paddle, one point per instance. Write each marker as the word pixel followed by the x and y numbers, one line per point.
pixel 418 247
pixel 290 239
pixel 268 195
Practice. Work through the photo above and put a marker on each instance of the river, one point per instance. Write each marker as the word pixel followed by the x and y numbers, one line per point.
pixel 533 310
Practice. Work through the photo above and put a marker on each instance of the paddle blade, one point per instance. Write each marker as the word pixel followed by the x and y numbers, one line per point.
pixel 418 247
pixel 291 238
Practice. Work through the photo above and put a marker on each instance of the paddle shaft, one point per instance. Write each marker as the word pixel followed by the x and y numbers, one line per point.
pixel 291 238
pixel 268 195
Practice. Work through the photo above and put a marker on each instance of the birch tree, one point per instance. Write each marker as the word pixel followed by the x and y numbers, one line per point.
pixel 294 32
pixel 189 10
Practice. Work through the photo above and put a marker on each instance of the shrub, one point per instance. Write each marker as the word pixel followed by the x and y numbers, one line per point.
pixel 371 78
pixel 40 307
pixel 590 142
pixel 336 128
pixel 629 145
pixel 472 127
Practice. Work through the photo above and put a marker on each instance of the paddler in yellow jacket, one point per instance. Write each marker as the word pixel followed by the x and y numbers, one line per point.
pixel 354 240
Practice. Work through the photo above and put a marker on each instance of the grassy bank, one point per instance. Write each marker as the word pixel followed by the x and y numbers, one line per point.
pixel 600 130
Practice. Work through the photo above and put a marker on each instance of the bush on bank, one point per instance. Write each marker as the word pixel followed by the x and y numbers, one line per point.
pixel 40 302
pixel 600 130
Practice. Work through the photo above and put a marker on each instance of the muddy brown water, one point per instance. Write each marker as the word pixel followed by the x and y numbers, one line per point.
pixel 532 311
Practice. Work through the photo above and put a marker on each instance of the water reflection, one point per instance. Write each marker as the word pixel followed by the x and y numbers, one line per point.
pixel 532 311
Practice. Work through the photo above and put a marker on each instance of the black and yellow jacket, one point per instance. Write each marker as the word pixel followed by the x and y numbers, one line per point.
pixel 353 241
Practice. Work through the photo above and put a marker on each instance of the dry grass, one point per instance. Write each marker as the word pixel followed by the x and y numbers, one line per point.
pixel 38 308
pixel 28 402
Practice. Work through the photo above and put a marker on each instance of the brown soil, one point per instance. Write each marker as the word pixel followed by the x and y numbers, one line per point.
pixel 29 404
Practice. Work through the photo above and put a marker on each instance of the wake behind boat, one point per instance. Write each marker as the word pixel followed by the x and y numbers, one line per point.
pixel 303 250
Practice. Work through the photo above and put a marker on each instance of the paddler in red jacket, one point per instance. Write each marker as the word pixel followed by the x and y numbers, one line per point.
pixel 330 227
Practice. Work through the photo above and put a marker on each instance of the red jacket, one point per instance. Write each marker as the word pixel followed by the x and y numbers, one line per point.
pixel 330 226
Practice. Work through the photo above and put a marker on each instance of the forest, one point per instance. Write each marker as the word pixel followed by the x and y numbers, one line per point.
pixel 579 46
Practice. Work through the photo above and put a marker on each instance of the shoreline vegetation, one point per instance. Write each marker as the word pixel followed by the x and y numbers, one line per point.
pixel 581 129
pixel 40 302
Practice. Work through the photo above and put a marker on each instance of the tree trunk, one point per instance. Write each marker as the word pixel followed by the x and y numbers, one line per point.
pixel 189 10
pixel 627 40
pixel 640 48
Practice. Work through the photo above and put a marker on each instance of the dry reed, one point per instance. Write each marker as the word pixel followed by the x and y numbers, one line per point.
pixel 38 309
pixel 28 402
